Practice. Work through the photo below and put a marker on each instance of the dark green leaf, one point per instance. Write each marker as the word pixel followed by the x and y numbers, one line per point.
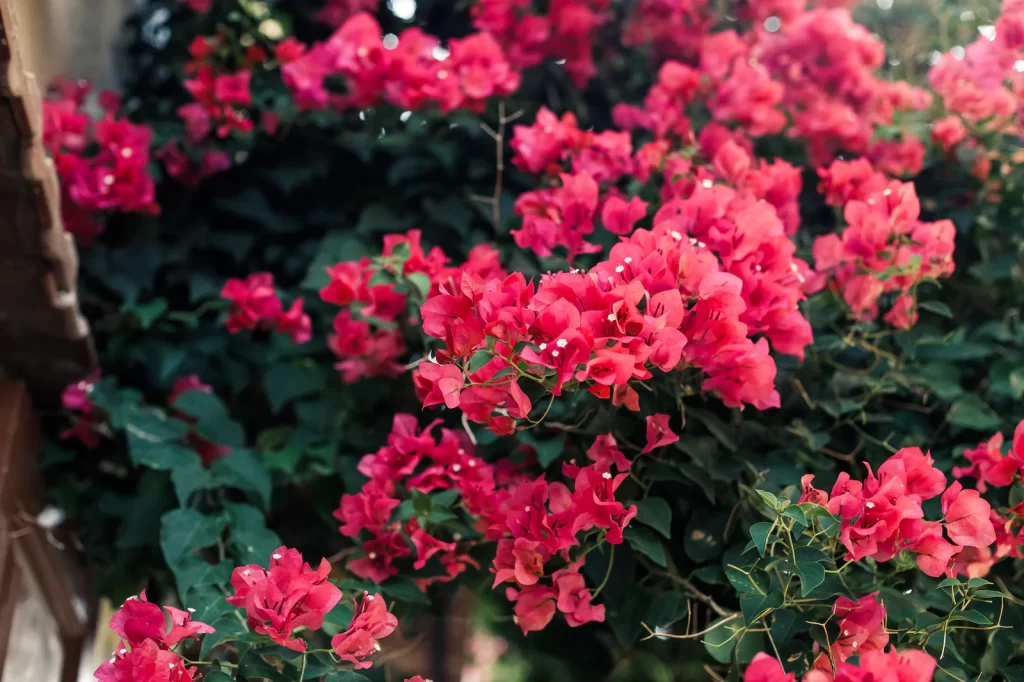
pixel 184 531
pixel 245 470
pixel 812 574
pixel 754 605
pixel 768 498
pixel 647 543
pixel 971 616
pixel 937 307
pixel 666 608
pixel 213 422
pixel 227 629
pixel 783 626
pixel 759 533
pixel 285 383
pixel 655 512
pixel 405 590
pixel 252 667
pixel 189 475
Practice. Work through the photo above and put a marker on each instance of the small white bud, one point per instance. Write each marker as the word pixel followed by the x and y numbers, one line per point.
pixel 606 475
pixel 676 235
pixel 561 343
pixel 620 268
pixel 627 260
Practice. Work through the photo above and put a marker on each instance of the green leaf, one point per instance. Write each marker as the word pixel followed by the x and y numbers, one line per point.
pixel 245 470
pixel 146 313
pixel 189 475
pixel 937 307
pixel 151 437
pixel 346 676
pixel 759 533
pixel 977 582
pixel 405 590
pixel 783 626
pixel 971 616
pixel 812 574
pixel 250 538
pixel 719 429
pixel 548 449
pixel 655 512
pixel 422 283
pixel 479 359
pixel 720 640
pixel 949 582
pixel 703 535
pixel 184 531
pixel 797 514
pixel 769 499
pixel 647 543
pixel 226 629
pixel 666 608
pixel 252 667
pixel 754 605
pixel 970 412
pixel 285 383
pixel 216 675
pixel 212 420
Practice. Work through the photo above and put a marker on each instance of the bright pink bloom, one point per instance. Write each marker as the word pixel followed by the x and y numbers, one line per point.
pixel 254 302
pixel 988 465
pixel 765 668
pixel 289 595
pixel 861 627
pixel 967 515
pixel 658 432
pixel 370 622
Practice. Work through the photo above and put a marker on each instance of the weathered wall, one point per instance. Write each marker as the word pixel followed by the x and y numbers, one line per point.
pixel 70 37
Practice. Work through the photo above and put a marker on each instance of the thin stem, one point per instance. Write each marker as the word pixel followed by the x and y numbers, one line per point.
pixel 302 670
pixel 607 573
pixel 651 633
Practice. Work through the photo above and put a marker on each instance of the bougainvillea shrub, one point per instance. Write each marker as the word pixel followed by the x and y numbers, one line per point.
pixel 684 336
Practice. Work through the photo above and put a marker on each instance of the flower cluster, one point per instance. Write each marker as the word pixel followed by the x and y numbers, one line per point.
pixel 982 86
pixel 413 462
pixel 911 665
pixel 566 33
pixel 885 248
pixel 715 270
pixel 146 643
pixel 409 74
pixel 102 164
pixel 287 596
pixel 536 525
pixel 366 339
pixel 817 66
pixel 223 98
pixel 255 304
pixel 883 515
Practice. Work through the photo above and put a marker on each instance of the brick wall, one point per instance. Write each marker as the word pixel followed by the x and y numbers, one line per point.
pixel 43 337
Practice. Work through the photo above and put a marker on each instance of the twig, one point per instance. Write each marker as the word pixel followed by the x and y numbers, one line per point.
pixel 697 594
pixel 651 633
pixel 499 148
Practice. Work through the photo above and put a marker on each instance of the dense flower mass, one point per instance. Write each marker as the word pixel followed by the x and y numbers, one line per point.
pixel 877 666
pixel 255 305
pixel 882 516
pixel 885 248
pixel 535 524
pixel 374 300
pixel 102 164
pixel 411 75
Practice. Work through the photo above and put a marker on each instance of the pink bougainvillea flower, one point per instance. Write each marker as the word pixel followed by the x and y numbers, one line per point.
pixel 370 622
pixel 861 627
pixel 967 517
pixel 765 668
pixel 658 432
pixel 288 595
